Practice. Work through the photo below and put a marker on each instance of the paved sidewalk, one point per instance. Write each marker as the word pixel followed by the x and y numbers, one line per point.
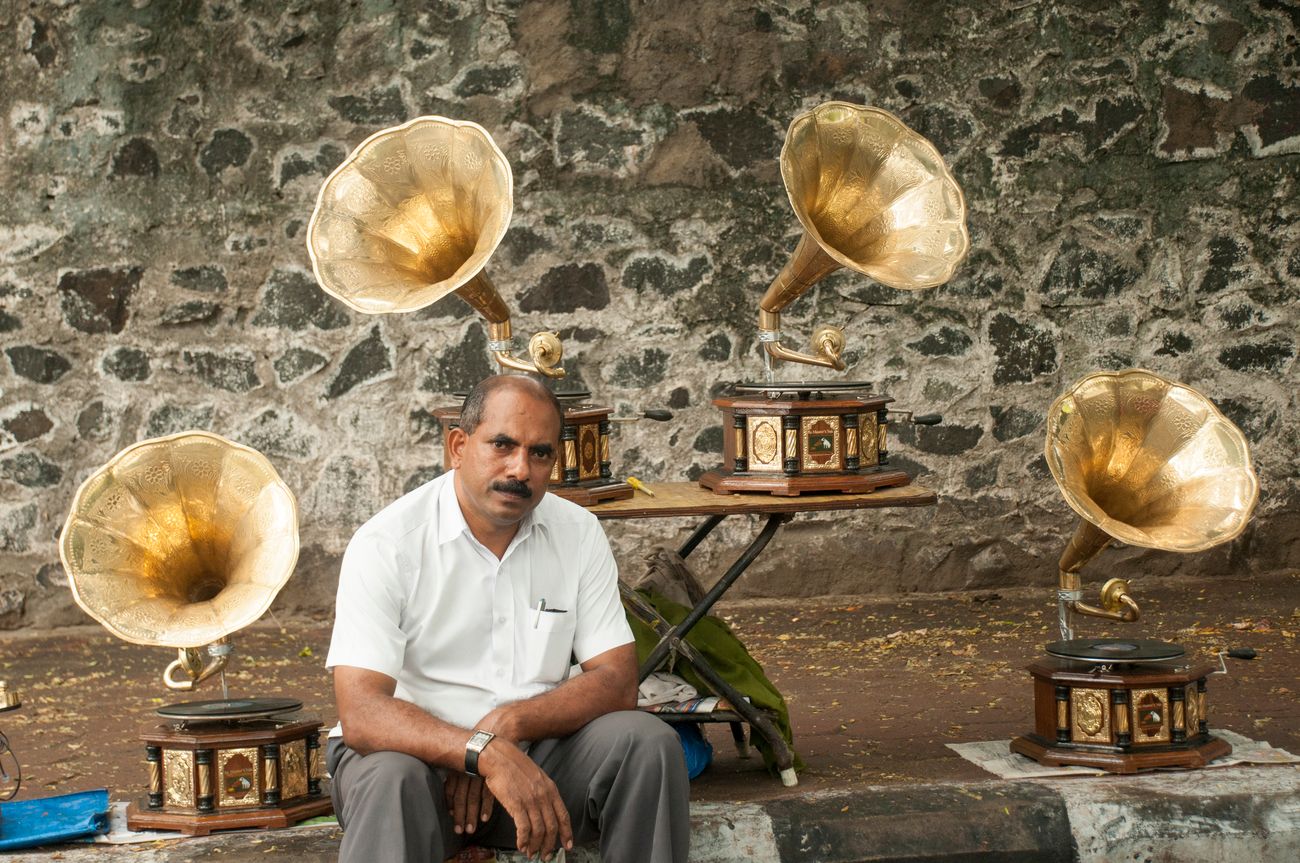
pixel 877 687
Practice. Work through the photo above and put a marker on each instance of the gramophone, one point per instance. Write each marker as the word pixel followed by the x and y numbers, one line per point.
pixel 873 196
pixel 179 542
pixel 1152 463
pixel 414 214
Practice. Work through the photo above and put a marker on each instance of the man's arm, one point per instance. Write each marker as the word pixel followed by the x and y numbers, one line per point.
pixel 374 720
pixel 607 683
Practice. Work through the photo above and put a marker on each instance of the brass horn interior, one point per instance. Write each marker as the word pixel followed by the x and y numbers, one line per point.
pixel 1148 462
pixel 871 195
pixel 414 214
pixel 178 542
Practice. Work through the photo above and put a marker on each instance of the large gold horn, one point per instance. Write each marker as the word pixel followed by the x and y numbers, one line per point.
pixel 178 542
pixel 871 195
pixel 412 215
pixel 1148 462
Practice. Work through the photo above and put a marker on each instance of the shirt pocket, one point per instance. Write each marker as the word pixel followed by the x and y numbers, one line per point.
pixel 548 647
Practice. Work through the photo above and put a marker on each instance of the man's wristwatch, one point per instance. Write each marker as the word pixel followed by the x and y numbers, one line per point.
pixel 477 742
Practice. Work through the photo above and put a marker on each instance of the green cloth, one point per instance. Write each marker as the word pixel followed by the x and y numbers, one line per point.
pixel 728 657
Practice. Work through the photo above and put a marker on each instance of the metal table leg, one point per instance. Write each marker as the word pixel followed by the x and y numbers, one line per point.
pixel 672 639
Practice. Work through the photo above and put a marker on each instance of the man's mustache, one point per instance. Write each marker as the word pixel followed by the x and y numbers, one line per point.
pixel 513 486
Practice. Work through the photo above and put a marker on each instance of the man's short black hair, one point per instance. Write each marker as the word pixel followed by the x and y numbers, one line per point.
pixel 471 411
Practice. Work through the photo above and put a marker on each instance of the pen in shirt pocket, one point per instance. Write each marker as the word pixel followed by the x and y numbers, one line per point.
pixel 542 609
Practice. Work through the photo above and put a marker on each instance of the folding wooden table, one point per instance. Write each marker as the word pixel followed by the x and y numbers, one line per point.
pixel 686 499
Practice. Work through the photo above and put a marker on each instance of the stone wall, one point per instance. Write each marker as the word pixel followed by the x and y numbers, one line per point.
pixel 1131 172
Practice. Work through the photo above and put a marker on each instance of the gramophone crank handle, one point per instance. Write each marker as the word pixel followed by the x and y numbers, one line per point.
pixel 921 420
pixel 659 415
pixel 1235 653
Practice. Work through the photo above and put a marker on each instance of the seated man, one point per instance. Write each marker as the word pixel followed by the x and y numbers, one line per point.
pixel 459 607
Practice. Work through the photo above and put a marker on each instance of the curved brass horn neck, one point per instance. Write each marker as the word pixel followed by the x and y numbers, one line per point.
pixel 808 265
pixel 544 349
pixel 191 664
pixel 1116 603
pixel 484 298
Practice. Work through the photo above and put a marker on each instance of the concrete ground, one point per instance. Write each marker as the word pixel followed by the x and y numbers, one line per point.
pixel 876 688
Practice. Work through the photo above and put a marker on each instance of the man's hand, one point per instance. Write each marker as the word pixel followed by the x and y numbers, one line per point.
pixel 531 798
pixel 468 800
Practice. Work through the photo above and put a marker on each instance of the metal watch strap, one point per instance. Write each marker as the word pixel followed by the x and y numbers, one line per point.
pixel 477 742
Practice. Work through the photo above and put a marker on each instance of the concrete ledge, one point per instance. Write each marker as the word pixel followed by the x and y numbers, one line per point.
pixel 1244 813
pixel 988 822
pixel 1237 813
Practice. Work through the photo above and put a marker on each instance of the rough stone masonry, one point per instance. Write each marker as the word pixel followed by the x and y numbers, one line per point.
pixel 1131 173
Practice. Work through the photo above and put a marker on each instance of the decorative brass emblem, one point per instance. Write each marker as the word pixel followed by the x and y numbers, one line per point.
pixel 1150 716
pixel 1090 718
pixel 238 771
pixel 178 771
pixel 871 440
pixel 821 443
pixel 764 444
pixel 588 438
pixel 293 770
pixel 1193 709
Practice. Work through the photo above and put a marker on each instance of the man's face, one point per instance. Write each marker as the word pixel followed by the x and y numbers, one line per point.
pixel 505 464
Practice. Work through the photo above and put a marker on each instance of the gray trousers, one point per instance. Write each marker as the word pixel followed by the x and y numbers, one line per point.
pixel 622 777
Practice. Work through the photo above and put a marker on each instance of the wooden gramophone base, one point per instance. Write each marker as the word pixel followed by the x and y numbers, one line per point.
pixel 592 492
pixel 140 817
pixel 1120 719
pixel 226 775
pixel 722 482
pixel 1193 756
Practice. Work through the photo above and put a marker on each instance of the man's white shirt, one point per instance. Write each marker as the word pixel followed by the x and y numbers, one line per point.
pixel 422 601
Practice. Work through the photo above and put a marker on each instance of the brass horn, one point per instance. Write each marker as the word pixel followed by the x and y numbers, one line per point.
pixel 871 195
pixel 178 542
pixel 414 214
pixel 1148 462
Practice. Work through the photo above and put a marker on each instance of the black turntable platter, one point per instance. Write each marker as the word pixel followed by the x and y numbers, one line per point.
pixel 226 709
pixel 802 389
pixel 564 394
pixel 1115 650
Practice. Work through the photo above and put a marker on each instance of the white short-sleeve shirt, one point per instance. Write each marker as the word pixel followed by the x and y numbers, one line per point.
pixel 422 601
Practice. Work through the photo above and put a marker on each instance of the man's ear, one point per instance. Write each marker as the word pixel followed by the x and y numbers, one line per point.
pixel 456 442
